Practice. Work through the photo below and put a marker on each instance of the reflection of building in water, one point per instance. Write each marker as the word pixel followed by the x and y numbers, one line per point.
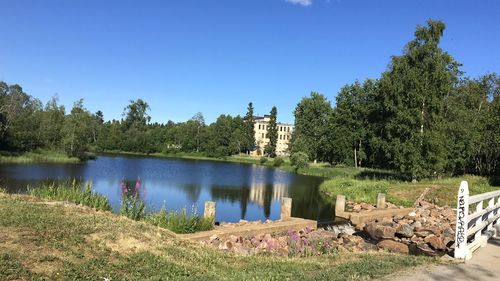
pixel 259 193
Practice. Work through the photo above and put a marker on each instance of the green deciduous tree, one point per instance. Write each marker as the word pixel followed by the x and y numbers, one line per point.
pixel 51 124
pixel 312 122
pixel 77 130
pixel 136 114
pixel 414 89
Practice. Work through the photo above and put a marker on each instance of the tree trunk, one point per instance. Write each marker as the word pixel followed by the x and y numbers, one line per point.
pixel 355 158
pixel 422 124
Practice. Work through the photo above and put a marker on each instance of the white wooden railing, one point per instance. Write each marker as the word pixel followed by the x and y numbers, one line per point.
pixel 475 228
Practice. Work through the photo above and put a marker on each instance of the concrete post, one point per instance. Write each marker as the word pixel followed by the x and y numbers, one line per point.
pixel 286 208
pixel 209 210
pixel 340 204
pixel 381 201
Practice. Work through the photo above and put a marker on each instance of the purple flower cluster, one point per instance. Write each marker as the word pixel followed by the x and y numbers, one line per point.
pixel 300 244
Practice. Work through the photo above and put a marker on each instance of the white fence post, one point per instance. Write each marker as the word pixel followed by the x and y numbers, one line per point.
pixel 462 221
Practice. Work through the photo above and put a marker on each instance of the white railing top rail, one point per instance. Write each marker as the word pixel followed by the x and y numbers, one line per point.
pixel 484 196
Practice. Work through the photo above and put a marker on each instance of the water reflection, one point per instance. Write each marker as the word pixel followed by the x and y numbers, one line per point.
pixel 241 191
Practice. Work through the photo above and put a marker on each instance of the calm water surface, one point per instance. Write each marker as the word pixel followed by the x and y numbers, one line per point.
pixel 242 191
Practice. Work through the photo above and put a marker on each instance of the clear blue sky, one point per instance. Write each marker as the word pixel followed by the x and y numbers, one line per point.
pixel 214 56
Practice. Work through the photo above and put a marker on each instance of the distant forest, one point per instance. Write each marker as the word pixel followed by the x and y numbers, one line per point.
pixel 422 118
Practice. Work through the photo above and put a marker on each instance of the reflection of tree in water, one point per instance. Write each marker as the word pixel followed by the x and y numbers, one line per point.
pixel 193 191
pixel 307 202
pixel 304 191
pixel 225 193
pixel 245 194
pixel 232 194
pixel 268 198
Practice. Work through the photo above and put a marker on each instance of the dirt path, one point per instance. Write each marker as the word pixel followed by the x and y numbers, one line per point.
pixel 484 265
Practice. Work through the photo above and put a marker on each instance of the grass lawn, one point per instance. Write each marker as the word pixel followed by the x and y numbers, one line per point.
pixel 442 192
pixel 38 156
pixel 52 241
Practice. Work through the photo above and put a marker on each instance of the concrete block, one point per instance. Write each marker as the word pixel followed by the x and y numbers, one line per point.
pixel 209 210
pixel 286 208
pixel 340 204
pixel 381 201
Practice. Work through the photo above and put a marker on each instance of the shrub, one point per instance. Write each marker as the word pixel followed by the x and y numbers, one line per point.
pixel 278 161
pixel 263 160
pixel 180 222
pixel 72 192
pixel 299 160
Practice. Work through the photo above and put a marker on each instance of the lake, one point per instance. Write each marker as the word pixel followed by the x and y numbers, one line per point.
pixel 242 191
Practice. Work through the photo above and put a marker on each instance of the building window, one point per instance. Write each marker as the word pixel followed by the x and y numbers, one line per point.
pixel 262 135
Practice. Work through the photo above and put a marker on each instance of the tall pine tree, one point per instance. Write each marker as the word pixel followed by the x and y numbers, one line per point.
pixel 249 131
pixel 272 134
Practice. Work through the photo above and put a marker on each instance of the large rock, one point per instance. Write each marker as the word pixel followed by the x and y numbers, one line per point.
pixel 393 246
pixel 405 230
pixel 436 242
pixel 378 232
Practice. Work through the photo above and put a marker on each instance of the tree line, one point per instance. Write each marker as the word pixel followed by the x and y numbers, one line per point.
pixel 26 124
pixel 422 117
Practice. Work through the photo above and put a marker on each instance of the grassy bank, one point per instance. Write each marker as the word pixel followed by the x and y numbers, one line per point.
pixel 38 156
pixel 72 192
pixel 441 192
pixel 131 206
pixel 54 242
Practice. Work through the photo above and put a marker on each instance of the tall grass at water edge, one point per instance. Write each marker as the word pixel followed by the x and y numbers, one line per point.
pixel 37 156
pixel 180 222
pixel 72 192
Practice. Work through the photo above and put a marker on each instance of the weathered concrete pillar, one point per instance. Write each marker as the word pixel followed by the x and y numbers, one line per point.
pixel 286 208
pixel 381 201
pixel 209 210
pixel 340 204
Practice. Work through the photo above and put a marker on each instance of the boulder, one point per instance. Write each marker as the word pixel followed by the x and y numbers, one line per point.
pixel 393 246
pixel 405 230
pixel 417 224
pixel 424 249
pixel 436 242
pixel 378 232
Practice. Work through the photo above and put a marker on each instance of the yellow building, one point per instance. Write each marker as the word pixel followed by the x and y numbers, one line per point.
pixel 261 126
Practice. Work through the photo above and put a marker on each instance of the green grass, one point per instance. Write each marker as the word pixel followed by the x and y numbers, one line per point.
pixel 38 156
pixel 180 222
pixel 441 191
pixel 71 192
pixel 54 242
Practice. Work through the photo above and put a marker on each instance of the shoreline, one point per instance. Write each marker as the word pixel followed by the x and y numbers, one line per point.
pixel 81 243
